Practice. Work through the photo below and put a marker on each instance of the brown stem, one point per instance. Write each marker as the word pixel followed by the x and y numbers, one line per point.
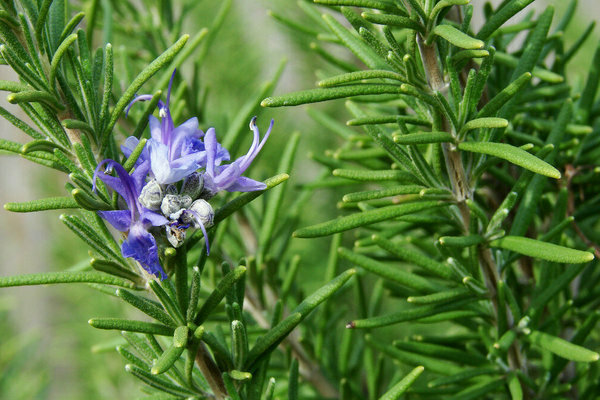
pixel 462 191
pixel 211 372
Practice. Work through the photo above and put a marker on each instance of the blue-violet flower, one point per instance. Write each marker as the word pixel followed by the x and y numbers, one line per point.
pixel 136 219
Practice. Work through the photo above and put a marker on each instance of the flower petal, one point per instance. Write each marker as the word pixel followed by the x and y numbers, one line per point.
pixel 243 184
pixel 141 246
pixel 120 219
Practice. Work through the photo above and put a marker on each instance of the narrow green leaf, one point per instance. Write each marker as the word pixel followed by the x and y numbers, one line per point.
pixel 162 384
pixel 139 80
pixel 423 138
pixel 445 296
pixel 352 77
pixel 379 194
pixel 395 274
pixel 166 296
pixel 376 175
pixel 356 45
pixel 52 203
pixel 50 278
pixel 131 326
pixel 513 154
pixel 324 94
pixel 562 348
pixel 430 363
pixel 461 241
pixel 408 314
pixel 293 381
pixel 166 360
pixel 498 101
pixel 374 4
pixel 393 20
pixel 537 72
pixel 483 123
pixel 365 218
pixel 135 155
pixel 268 342
pixel 35 96
pixel 218 293
pixel 462 376
pixel 148 307
pixel 413 256
pixel 502 15
pixel 399 388
pixel 514 387
pixel 457 38
pixel 237 203
pixel 115 268
pixel 62 49
pixel 542 250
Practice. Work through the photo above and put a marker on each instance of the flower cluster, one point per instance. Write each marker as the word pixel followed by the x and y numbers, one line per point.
pixel 178 171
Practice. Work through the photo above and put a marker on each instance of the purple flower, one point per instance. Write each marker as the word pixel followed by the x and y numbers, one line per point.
pixel 136 219
pixel 229 177
pixel 174 152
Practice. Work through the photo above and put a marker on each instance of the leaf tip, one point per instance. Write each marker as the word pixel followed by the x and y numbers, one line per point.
pixel 350 325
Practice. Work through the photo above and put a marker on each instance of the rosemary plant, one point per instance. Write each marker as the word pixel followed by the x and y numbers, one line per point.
pixel 468 177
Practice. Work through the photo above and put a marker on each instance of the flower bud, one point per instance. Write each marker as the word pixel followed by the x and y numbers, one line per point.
pixel 173 203
pixel 193 185
pixel 151 196
pixel 199 212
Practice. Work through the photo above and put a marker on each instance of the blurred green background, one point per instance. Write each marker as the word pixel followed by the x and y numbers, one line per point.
pixel 46 345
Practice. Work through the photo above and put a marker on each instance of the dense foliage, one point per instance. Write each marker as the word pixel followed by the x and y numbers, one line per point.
pixel 462 255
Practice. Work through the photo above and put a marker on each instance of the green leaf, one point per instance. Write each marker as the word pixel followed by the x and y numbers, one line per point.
pixel 461 241
pixel 457 38
pixel 50 278
pixel 218 293
pixel 360 49
pixel 374 4
pixel 431 364
pixel 394 20
pixel 131 326
pixel 562 348
pixel 166 360
pixel 408 314
pixel 513 154
pixel 35 96
pixel 62 49
pixel 496 103
pixel 502 15
pixel 413 256
pixel 399 388
pixel 162 60
pixel 352 77
pixel 324 94
pixel 237 203
pixel 167 299
pixel 423 138
pixel 114 268
pixel 395 274
pixel 162 384
pixel 542 250
pixel 148 307
pixel 365 218
pixel 268 342
pixel 376 175
pixel 52 203
pixel 483 123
